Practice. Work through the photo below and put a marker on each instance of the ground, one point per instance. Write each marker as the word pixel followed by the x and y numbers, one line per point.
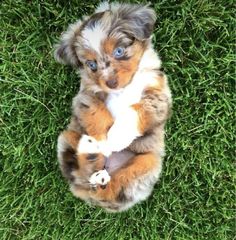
pixel 194 198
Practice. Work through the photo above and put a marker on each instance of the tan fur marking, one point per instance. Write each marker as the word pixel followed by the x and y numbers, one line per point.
pixel 145 118
pixel 89 55
pixel 72 138
pixel 81 193
pixel 97 120
pixel 85 165
pixel 108 45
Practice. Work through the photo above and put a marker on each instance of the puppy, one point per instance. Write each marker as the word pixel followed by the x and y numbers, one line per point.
pixel 122 106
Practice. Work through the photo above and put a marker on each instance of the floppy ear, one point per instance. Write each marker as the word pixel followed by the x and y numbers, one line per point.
pixel 65 50
pixel 139 21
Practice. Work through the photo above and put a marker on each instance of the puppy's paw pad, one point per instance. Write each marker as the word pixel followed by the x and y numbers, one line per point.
pixel 101 178
pixel 88 144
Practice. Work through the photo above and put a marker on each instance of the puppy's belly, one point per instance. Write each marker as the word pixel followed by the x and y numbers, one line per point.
pixel 117 160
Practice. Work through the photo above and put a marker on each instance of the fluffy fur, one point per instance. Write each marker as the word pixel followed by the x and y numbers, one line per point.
pixel 122 107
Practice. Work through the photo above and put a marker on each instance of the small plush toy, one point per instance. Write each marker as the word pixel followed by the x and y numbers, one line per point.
pixel 112 150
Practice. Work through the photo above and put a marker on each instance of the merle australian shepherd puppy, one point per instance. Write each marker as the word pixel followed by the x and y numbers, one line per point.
pixel 112 150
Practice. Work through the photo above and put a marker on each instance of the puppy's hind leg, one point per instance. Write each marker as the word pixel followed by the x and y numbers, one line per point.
pixel 130 184
pixel 79 157
pixel 66 153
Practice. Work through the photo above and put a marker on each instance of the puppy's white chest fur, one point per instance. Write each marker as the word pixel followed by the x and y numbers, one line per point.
pixel 118 102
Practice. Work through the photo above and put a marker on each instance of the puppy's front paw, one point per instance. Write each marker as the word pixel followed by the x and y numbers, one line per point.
pixel 88 144
pixel 100 178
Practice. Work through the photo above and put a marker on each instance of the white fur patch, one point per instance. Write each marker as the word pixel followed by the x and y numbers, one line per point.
pixel 101 177
pixel 104 148
pixel 94 36
pixel 61 144
pixel 61 147
pixel 123 131
pixel 150 60
pixel 104 6
pixel 88 144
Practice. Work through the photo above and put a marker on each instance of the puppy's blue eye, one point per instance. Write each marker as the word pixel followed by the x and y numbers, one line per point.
pixel 119 52
pixel 92 65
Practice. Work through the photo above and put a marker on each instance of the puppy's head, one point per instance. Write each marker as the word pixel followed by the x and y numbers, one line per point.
pixel 108 46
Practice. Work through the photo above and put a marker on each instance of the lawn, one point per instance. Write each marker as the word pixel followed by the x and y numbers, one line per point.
pixel 195 197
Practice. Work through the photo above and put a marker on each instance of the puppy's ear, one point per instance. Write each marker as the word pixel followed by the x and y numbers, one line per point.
pixel 139 21
pixel 66 153
pixel 65 51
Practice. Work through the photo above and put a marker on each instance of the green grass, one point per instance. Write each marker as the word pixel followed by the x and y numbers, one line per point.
pixel 195 196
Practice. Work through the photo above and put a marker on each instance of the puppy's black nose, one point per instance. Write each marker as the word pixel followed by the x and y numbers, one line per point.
pixel 112 83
